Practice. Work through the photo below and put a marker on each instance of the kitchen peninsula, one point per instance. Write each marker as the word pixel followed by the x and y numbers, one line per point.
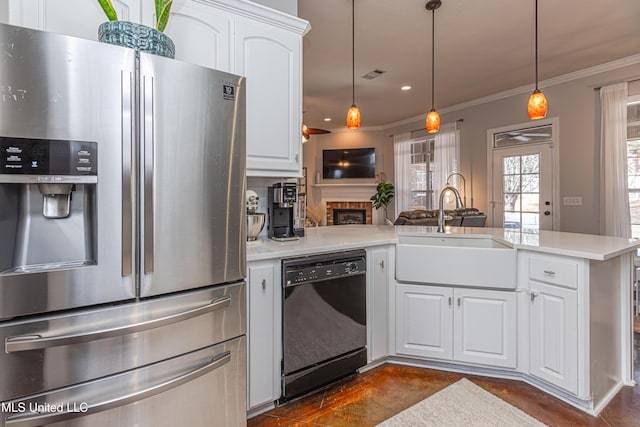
pixel 552 309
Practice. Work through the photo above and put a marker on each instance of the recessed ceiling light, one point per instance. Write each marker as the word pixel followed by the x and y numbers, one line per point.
pixel 327 119
pixel 405 88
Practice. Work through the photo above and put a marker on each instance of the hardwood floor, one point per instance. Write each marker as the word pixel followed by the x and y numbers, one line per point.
pixel 373 396
pixel 636 324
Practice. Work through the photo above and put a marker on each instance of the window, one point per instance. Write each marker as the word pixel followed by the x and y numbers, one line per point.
pixel 633 162
pixel 421 180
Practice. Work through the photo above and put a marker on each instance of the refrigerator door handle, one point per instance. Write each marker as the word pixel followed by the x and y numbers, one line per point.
pixel 110 403
pixel 38 342
pixel 148 138
pixel 127 202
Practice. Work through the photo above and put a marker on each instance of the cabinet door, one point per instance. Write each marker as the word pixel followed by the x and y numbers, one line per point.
pixel 202 34
pixel 485 327
pixel 263 367
pixel 79 18
pixel 270 58
pixel 377 307
pixel 554 335
pixel 424 322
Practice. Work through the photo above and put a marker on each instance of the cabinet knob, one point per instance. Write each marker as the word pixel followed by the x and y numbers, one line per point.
pixel 534 294
pixel 382 264
pixel 264 283
pixel 449 301
pixel 458 302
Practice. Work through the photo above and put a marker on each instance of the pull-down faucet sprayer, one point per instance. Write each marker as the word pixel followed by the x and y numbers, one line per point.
pixel 459 205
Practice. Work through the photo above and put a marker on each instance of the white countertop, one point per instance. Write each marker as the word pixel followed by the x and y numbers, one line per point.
pixel 337 238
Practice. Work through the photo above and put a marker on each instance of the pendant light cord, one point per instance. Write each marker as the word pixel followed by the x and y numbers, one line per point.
pixel 353 52
pixel 433 56
pixel 536 25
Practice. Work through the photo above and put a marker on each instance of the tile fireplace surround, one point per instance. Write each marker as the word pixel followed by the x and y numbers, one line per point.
pixel 349 205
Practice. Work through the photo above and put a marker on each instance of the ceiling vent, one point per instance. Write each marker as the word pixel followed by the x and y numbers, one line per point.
pixel 373 74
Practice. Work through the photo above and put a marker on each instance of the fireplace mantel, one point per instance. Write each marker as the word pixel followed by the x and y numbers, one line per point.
pixel 345 185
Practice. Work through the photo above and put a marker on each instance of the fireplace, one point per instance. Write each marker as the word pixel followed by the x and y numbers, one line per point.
pixel 350 212
pixel 349 216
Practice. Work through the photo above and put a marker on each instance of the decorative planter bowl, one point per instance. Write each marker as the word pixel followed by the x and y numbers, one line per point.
pixel 136 36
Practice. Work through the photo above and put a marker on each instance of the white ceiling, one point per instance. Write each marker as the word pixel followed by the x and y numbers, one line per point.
pixel 482 47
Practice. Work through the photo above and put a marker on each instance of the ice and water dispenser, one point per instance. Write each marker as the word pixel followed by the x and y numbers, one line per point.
pixel 47 204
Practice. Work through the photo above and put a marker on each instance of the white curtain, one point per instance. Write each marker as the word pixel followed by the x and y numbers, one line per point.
pixel 446 154
pixel 614 197
pixel 402 171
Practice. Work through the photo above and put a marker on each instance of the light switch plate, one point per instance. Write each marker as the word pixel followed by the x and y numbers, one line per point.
pixel 572 201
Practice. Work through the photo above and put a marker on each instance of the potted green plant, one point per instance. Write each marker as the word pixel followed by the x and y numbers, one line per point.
pixel 138 36
pixel 382 198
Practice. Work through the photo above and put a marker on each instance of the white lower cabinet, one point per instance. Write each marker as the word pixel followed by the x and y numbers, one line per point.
pixel 264 308
pixel 379 274
pixel 553 330
pixel 465 325
pixel 424 322
pixel 484 327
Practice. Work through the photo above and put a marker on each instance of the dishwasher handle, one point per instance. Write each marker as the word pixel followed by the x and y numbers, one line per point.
pixel 38 342
pixel 291 284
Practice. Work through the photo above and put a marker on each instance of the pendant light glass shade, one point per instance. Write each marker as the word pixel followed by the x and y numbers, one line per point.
pixel 537 106
pixel 433 121
pixel 353 117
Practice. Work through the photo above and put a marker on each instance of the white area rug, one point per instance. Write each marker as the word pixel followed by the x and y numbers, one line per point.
pixel 462 404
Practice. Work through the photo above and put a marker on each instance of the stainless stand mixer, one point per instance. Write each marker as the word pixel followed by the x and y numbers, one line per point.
pixel 255 220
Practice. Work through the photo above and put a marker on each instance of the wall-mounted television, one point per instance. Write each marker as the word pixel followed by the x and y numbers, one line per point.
pixel 349 163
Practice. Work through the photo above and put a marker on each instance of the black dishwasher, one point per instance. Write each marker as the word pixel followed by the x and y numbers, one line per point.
pixel 324 326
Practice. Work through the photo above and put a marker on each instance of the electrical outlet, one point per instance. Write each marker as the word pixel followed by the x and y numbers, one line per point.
pixel 572 201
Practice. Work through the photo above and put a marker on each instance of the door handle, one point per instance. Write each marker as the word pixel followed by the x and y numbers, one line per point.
pixel 127 172
pixel 52 417
pixel 148 138
pixel 382 264
pixel 38 342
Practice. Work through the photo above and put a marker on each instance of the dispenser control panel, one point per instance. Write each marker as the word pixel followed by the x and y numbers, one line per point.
pixel 285 192
pixel 27 156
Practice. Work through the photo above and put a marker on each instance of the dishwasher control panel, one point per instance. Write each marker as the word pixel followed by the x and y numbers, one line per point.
pixel 319 271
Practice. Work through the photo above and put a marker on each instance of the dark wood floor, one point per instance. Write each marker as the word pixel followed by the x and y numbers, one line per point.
pixel 378 394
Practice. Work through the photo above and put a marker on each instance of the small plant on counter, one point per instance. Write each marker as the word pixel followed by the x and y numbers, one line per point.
pixel 382 198
pixel 163 7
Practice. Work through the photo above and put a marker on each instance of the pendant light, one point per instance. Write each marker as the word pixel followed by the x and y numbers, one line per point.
pixel 433 118
pixel 353 115
pixel 537 106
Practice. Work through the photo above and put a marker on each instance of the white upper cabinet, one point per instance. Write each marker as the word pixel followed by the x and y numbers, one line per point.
pixel 237 36
pixel 202 34
pixel 270 58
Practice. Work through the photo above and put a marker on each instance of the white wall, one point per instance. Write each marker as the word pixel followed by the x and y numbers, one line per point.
pixel 4 11
pixel 286 6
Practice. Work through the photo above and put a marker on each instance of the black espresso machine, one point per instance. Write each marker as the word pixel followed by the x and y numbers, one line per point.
pixel 281 198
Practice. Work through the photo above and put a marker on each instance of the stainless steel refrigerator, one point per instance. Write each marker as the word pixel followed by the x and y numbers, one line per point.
pixel 122 249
